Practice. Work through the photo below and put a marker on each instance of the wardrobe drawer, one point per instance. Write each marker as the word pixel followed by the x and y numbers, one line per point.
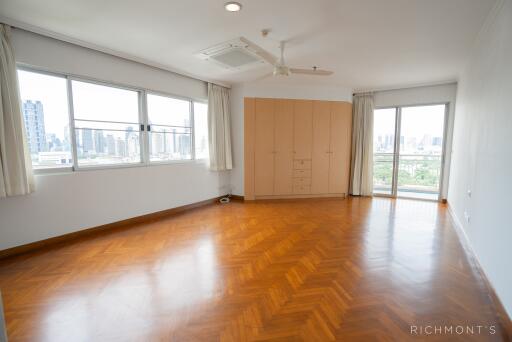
pixel 302 181
pixel 301 189
pixel 301 173
pixel 302 164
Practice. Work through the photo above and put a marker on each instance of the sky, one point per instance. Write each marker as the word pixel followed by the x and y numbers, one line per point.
pixel 417 121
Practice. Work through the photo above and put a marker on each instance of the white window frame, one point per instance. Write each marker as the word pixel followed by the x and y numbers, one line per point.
pixel 143 120
pixel 396 152
pixel 192 128
pixel 76 166
pixel 62 169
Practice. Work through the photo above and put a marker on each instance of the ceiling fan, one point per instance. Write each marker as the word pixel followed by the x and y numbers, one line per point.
pixel 281 69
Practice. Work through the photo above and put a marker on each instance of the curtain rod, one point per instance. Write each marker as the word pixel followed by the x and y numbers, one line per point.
pixel 364 93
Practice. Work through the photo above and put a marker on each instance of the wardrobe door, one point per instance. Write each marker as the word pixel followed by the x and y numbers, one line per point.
pixel 321 149
pixel 339 165
pixel 264 147
pixel 283 147
pixel 303 128
pixel 302 145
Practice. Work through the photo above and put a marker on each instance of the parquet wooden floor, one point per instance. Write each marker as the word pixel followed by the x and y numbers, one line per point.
pixel 303 270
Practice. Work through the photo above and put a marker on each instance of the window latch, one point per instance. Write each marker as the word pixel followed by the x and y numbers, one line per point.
pixel 149 128
pixel 141 127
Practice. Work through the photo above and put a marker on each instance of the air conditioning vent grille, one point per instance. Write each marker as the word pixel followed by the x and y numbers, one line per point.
pixel 235 58
pixel 236 54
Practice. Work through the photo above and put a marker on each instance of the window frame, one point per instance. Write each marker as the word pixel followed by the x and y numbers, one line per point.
pixel 76 166
pixel 192 128
pixel 50 170
pixel 143 120
pixel 396 152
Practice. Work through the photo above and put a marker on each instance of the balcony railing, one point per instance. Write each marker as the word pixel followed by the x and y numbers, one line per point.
pixel 417 173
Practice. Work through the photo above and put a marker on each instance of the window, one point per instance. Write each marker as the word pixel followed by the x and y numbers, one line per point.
pixel 201 130
pixel 44 106
pixel 408 151
pixel 77 123
pixel 170 132
pixel 107 124
pixel 383 150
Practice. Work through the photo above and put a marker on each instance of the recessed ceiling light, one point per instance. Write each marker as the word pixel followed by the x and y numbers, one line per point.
pixel 232 6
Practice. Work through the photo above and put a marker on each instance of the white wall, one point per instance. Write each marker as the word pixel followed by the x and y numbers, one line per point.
pixel 261 89
pixel 58 56
pixel 68 202
pixel 482 151
pixel 445 93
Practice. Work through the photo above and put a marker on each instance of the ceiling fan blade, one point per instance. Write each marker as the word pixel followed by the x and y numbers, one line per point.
pixel 318 72
pixel 264 54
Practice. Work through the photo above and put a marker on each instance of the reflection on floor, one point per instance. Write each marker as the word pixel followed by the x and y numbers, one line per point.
pixel 310 270
pixel 408 193
pixel 418 195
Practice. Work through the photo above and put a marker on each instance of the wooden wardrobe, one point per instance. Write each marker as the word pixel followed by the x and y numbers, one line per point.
pixel 296 148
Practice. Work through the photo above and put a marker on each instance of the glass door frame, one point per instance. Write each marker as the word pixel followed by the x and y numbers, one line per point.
pixel 396 152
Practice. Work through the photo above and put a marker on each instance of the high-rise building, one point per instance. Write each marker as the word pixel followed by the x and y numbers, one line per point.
pixel 87 142
pixel 66 144
pixel 33 114
pixel 121 147
pixel 133 145
pixel 53 143
pixel 99 142
pixel 184 141
pixel 437 141
pixel 131 142
pixel 111 145
pixel 175 142
pixel 157 143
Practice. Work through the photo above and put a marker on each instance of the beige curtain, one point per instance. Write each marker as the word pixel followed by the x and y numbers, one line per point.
pixel 361 168
pixel 15 166
pixel 219 128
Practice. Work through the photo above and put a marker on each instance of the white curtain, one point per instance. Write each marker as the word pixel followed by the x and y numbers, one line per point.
pixel 361 168
pixel 219 128
pixel 15 166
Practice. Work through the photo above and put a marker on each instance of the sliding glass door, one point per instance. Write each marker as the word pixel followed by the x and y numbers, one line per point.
pixel 411 165
pixel 384 121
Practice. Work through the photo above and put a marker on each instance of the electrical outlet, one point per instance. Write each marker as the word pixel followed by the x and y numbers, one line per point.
pixel 466 216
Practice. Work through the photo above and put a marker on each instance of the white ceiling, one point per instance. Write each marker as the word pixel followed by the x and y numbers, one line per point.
pixel 367 43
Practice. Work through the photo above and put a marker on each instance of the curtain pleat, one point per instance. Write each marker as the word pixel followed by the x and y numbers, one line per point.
pixel 361 168
pixel 15 165
pixel 219 128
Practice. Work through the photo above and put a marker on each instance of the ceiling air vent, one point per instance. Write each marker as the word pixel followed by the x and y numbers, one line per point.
pixel 236 54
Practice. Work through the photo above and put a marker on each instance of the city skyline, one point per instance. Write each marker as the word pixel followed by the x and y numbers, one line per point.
pixel 427 143
pixel 45 148
pixel 95 144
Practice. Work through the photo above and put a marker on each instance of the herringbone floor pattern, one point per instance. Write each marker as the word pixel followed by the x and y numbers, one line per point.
pixel 305 270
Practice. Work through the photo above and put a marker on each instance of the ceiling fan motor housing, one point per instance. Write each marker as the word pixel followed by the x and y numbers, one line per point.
pixel 281 70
